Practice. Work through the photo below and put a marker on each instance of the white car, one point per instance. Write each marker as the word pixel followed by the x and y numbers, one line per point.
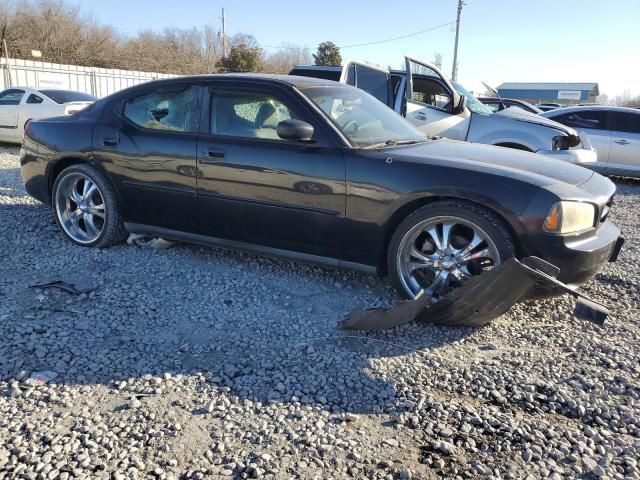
pixel 613 131
pixel 18 105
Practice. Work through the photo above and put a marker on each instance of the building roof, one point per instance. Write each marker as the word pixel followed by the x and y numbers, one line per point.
pixel 585 86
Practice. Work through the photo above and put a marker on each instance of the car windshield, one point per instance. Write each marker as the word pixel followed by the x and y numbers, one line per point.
pixel 475 105
pixel 365 121
pixel 65 96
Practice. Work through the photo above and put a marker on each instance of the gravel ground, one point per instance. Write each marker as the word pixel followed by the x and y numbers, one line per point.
pixel 199 363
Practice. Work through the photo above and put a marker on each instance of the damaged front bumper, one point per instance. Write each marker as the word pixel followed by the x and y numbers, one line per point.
pixel 584 155
pixel 481 299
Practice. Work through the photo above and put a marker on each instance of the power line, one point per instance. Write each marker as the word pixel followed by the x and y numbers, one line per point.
pixel 398 38
pixel 377 42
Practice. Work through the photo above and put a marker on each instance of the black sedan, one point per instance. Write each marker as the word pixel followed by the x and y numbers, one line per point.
pixel 313 170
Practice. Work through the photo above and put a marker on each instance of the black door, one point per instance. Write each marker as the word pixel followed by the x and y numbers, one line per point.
pixel 257 188
pixel 148 144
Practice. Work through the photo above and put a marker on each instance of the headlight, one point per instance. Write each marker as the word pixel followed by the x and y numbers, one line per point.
pixel 560 143
pixel 569 217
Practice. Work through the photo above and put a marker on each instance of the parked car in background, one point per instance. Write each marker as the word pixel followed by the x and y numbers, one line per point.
pixel 316 171
pixel 19 105
pixel 613 131
pixel 438 107
pixel 546 107
pixel 496 104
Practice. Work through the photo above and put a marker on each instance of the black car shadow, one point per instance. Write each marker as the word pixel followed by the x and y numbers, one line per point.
pixel 198 315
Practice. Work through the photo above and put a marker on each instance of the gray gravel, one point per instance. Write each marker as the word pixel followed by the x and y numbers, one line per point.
pixel 199 363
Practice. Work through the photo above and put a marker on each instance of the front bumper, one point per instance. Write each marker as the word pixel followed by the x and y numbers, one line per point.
pixel 579 259
pixel 578 156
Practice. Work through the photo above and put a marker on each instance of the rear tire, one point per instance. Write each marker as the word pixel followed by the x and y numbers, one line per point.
pixel 458 224
pixel 85 207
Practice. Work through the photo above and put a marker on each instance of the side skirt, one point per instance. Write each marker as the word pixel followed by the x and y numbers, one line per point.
pixel 179 236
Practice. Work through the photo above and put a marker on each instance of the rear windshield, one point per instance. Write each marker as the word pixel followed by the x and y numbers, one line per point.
pixel 65 96
pixel 317 73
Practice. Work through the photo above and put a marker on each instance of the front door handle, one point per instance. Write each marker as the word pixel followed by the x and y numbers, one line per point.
pixel 212 155
pixel 111 141
pixel 622 141
pixel 420 116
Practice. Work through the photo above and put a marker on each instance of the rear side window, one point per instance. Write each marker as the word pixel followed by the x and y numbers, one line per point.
pixel 34 99
pixel 626 122
pixel 372 81
pixel 596 120
pixel 11 96
pixel 174 111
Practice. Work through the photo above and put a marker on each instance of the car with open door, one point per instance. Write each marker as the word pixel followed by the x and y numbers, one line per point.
pixel 438 107
pixel 614 132
pixel 496 104
pixel 315 171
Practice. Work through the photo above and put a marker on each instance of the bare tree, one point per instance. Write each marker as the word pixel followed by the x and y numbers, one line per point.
pixel 286 57
pixel 64 35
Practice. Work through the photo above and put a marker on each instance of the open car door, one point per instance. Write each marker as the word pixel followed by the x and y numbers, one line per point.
pixel 375 81
pixel 432 103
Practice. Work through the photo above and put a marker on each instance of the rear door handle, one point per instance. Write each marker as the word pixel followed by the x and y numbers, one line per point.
pixel 111 141
pixel 622 141
pixel 420 116
pixel 212 155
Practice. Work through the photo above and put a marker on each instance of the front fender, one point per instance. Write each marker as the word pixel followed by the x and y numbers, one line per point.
pixel 494 129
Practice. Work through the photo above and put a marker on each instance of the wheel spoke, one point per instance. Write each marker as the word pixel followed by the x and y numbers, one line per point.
pixel 90 225
pixel 472 256
pixel 97 210
pixel 440 283
pixel 435 236
pixel 74 196
pixel 88 190
pixel 475 242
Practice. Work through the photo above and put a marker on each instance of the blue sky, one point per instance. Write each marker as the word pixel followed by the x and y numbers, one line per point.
pixel 501 40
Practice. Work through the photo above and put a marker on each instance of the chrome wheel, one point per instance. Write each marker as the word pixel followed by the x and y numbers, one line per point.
pixel 440 253
pixel 80 208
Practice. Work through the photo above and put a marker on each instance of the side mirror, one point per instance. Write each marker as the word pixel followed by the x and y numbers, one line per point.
pixel 461 104
pixel 295 130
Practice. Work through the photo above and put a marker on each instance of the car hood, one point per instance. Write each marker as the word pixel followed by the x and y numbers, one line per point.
pixel 526 166
pixel 524 116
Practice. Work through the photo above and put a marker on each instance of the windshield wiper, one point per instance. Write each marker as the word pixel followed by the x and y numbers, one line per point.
pixel 393 143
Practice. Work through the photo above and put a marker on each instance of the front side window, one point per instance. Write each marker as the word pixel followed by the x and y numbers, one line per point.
pixel 249 115
pixel 626 122
pixel 596 120
pixel 431 92
pixel 361 118
pixel 11 96
pixel 174 111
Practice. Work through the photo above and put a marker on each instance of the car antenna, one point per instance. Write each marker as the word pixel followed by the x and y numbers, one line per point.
pixel 496 93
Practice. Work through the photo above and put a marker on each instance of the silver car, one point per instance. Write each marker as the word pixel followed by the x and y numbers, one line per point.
pixel 613 131
pixel 441 108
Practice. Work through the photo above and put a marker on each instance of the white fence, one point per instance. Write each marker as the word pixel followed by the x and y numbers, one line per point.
pixel 96 81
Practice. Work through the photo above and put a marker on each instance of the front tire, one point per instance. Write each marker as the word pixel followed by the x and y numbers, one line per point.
pixel 437 247
pixel 85 207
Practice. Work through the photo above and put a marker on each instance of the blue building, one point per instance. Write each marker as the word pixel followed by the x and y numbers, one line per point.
pixel 542 92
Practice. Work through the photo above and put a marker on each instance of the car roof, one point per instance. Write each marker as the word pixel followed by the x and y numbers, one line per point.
pixel 294 80
pixel 580 108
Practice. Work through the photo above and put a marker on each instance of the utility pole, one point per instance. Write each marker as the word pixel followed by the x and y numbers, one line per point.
pixel 224 36
pixel 454 70
pixel 438 60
